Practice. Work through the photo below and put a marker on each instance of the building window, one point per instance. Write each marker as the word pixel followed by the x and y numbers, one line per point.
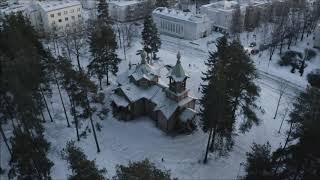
pixel 60 20
pixel 52 15
pixel 72 11
pixel 53 22
pixel 59 14
pixel 72 17
pixel 79 15
pixel 78 9
pixel 66 19
pixel 65 12
pixel 67 25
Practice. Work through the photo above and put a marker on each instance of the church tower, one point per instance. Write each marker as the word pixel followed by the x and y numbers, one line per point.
pixel 177 81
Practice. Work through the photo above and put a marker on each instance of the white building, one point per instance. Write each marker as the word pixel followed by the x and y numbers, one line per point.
pixel 220 14
pixel 316 42
pixel 59 16
pixel 129 10
pixel 185 25
pixel 7 9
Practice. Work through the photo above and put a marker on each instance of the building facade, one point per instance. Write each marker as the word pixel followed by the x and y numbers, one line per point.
pixel 185 25
pixel 316 42
pixel 60 16
pixel 220 14
pixel 129 10
pixel 140 93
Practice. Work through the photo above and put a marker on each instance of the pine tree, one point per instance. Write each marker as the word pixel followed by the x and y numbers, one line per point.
pixel 156 42
pixel 85 87
pixel 24 76
pixel 260 164
pixel 243 90
pixel 216 107
pixel 69 83
pixel 143 170
pixel 31 162
pixel 162 3
pixel 82 168
pixel 237 22
pixel 103 47
pixel 103 12
pixel 298 158
pixel 150 37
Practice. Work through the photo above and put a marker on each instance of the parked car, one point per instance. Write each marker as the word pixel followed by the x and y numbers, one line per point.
pixel 254 51
pixel 253 44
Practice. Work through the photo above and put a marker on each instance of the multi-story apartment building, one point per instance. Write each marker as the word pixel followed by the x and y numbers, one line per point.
pixel 60 16
pixel 129 10
pixel 317 37
pixel 220 14
pixel 185 25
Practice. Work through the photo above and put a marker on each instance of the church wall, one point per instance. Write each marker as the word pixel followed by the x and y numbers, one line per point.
pixel 165 124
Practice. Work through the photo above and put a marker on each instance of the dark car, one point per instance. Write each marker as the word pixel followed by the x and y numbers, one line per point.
pixel 253 44
pixel 254 51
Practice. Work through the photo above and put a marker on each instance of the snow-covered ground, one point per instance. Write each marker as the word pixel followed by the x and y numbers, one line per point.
pixel 121 142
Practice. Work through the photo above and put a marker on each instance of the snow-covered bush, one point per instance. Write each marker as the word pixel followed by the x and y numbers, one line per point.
pixel 290 58
pixel 140 170
pixel 81 167
pixel 314 78
pixel 310 54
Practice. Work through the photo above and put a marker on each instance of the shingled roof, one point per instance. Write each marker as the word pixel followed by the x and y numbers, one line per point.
pixel 177 72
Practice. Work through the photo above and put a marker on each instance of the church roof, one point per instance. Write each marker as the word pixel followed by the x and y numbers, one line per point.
pixel 144 70
pixel 187 114
pixel 155 93
pixel 177 72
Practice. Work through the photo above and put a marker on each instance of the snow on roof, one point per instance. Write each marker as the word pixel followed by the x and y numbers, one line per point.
pixel 178 14
pixel 144 70
pixel 134 92
pixel 164 104
pixel 177 72
pixel 222 5
pixel 12 9
pixel 156 94
pixel 55 5
pixel 120 101
pixel 125 2
pixel 187 114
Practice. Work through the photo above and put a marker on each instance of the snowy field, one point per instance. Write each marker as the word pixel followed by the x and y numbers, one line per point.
pixel 121 142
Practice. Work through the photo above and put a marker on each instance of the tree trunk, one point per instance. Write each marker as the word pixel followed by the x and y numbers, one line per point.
pixel 5 139
pixel 107 77
pixel 289 42
pixel 46 104
pixel 74 116
pixel 69 50
pixel 287 139
pixel 275 114
pixel 92 126
pixel 42 115
pixel 100 83
pixel 207 149
pixel 283 118
pixel 78 61
pixel 213 138
pixel 10 113
pixel 64 108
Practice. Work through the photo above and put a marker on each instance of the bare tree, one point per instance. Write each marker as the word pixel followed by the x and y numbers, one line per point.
pixel 66 42
pixel 283 86
pixel 284 116
pixel 78 41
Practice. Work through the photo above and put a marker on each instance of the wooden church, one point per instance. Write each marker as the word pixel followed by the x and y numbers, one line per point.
pixel 140 93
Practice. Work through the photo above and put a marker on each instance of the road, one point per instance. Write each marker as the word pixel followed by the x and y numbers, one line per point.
pixel 265 78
